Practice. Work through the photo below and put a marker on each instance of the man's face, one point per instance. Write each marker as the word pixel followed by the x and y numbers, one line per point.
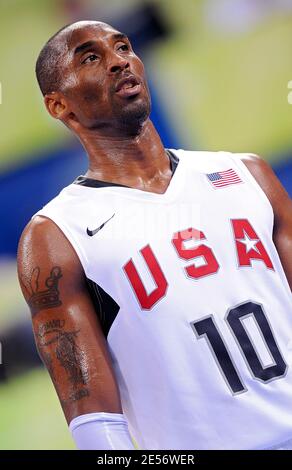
pixel 104 81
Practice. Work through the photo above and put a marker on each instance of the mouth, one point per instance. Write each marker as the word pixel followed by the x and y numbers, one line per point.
pixel 128 86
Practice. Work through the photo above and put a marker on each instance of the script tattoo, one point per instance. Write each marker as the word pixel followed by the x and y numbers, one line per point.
pixel 49 326
pixel 67 353
pixel 43 299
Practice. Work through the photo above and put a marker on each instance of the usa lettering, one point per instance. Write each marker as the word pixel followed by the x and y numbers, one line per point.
pixel 249 248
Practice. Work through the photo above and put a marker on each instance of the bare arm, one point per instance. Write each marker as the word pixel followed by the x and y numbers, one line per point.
pixel 68 336
pixel 282 207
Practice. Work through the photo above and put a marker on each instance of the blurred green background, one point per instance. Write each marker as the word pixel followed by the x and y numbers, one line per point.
pixel 219 72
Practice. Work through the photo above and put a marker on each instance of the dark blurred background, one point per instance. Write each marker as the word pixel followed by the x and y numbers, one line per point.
pixel 218 73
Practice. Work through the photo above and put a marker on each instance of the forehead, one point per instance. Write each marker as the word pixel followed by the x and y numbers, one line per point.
pixel 88 31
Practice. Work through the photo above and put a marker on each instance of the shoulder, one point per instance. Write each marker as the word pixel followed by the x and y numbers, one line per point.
pixel 40 230
pixel 42 242
pixel 268 181
pixel 263 174
pixel 257 166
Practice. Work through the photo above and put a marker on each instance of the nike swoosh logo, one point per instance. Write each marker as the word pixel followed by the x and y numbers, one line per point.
pixel 93 232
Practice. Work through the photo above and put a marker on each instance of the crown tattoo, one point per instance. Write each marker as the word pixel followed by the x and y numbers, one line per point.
pixel 42 299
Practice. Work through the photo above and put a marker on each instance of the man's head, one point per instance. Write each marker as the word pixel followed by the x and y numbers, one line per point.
pixel 91 79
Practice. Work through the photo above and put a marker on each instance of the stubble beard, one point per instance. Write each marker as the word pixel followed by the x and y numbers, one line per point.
pixel 130 118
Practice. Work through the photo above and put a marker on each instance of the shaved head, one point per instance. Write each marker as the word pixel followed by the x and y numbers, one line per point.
pixel 49 63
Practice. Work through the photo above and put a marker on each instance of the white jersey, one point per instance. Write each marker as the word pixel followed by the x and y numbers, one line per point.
pixel 194 301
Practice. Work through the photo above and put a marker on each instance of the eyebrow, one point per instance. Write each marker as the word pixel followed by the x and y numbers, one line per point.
pixel 83 46
pixel 87 44
pixel 120 36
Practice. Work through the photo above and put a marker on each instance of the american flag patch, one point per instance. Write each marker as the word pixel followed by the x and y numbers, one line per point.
pixel 224 178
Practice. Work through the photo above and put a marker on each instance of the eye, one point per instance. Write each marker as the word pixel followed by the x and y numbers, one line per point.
pixel 123 47
pixel 90 58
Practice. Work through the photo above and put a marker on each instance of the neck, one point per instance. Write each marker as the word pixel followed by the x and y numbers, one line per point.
pixel 137 161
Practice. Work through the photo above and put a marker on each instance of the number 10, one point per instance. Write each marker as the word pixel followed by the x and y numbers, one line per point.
pixel 207 328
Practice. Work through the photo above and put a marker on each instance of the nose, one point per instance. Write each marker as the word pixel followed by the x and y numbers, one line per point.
pixel 117 64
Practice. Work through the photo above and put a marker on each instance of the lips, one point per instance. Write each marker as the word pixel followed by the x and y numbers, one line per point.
pixel 128 86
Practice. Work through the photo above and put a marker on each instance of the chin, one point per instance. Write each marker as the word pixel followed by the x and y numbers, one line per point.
pixel 132 116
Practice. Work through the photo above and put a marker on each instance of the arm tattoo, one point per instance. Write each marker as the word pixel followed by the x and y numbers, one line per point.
pixel 43 299
pixel 72 358
pixel 68 354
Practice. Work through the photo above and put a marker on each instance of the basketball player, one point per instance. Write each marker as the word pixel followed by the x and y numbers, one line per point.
pixel 157 281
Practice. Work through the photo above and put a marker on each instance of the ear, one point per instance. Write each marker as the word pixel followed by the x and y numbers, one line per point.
pixel 57 105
